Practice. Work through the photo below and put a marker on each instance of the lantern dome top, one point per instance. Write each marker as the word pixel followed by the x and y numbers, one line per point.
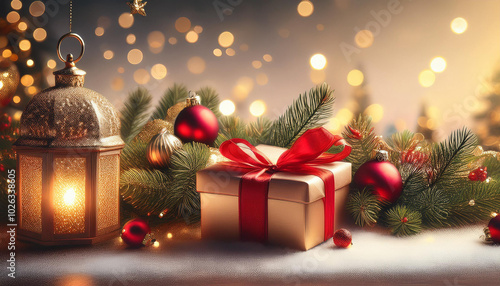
pixel 69 115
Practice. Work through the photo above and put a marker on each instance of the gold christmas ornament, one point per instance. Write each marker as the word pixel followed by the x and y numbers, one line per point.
pixel 161 147
pixel 151 129
pixel 9 79
pixel 137 7
pixel 173 111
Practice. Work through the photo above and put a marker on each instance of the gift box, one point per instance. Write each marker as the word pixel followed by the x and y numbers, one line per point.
pixel 295 210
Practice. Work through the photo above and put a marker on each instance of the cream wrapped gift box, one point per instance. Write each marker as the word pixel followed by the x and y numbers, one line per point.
pixel 295 209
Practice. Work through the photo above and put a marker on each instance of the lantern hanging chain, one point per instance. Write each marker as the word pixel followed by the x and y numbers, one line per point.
pixel 70 15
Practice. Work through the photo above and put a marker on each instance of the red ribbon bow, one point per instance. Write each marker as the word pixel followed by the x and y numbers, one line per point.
pixel 305 154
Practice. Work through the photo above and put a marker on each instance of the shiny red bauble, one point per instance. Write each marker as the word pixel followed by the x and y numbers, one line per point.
pixel 382 177
pixel 494 227
pixel 134 232
pixel 342 238
pixel 196 123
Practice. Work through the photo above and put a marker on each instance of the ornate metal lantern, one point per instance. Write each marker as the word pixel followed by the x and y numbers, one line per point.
pixel 68 161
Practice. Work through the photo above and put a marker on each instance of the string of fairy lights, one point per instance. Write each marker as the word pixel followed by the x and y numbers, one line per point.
pixel 229 46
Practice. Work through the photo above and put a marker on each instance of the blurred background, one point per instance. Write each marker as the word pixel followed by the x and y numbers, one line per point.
pixel 427 66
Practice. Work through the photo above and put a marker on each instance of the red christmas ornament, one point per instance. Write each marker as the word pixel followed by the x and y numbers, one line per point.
pixel 5 121
pixel 473 176
pixel 2 168
pixel 196 123
pixel 492 232
pixel 342 238
pixel 134 232
pixel 382 176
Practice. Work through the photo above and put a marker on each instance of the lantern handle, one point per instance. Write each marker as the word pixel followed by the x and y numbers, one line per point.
pixel 71 35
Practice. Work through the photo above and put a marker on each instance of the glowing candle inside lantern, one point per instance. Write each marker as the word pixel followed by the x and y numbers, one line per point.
pixel 1 84
pixel 69 197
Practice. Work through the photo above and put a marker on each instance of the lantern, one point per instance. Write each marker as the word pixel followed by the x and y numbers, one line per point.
pixel 68 161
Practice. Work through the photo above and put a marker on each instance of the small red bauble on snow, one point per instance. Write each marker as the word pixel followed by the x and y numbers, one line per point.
pixel 134 232
pixel 382 176
pixel 342 238
pixel 196 123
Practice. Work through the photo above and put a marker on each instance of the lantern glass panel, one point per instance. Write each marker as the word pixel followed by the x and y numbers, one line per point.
pixel 31 190
pixel 69 195
pixel 107 192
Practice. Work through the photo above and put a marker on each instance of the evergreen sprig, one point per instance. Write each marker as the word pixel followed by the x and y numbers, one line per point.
pixel 172 96
pixel 403 221
pixel 308 111
pixel 364 207
pixel 359 134
pixel 210 99
pixel 134 156
pixel 133 115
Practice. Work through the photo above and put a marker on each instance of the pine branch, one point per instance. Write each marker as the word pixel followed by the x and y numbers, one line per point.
pixel 359 134
pixel 403 221
pixel 134 156
pixel 173 95
pixel 414 180
pixel 473 202
pixel 133 115
pixel 449 159
pixel 434 205
pixel 493 165
pixel 230 127
pixel 364 207
pixel 210 99
pixel 258 131
pixel 308 111
pixel 182 195
pixel 145 190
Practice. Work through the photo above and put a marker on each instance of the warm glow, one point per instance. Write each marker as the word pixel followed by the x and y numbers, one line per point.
pixel 25 45
pixel 22 26
pixel 196 65
pixel 99 31
pixel 267 57
pixel 108 54
pixel 130 39
pixel 159 71
pixel 257 64
pixel 32 90
pixel 16 4
pixel 217 52
pixel 120 70
pixel 317 76
pixel 27 80
pixel 198 29
pixel 305 8
pixel 226 39
pixel 191 37
pixel 51 64
pixel 376 111
pixel 243 87
pixel 227 107
pixel 156 244
pixel 117 84
pixel 39 34
pixel 1 84
pixel 244 47
pixel 6 53
pixel 426 78
pixel 438 64
pixel 69 197
pixel 156 39
pixel 230 52
pixel 182 25
pixel 141 76
pixel 13 17
pixel 172 40
pixel 344 116
pixel 364 38
pixel 30 63
pixel 320 27
pixel 17 115
pixel 134 56
pixel 126 20
pixel 355 77
pixel 458 25
pixel 257 108
pixel 169 235
pixel 16 99
pixel 37 9
pixel 261 79
pixel 318 61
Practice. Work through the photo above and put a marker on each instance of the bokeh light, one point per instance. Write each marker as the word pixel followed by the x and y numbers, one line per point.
pixel 318 61
pixel 217 52
pixel 196 65
pixel 141 76
pixel 191 37
pixel 305 8
pixel 134 56
pixel 108 54
pixel 227 107
pixel 376 111
pixel 344 116
pixel 458 25
pixel 364 38
pixel 261 79
pixel 24 45
pixel 426 78
pixel 16 99
pixel 120 70
pixel 99 31
pixel 226 39
pixel 131 39
pixel 268 58
pixel 243 87
pixel 257 64
pixel 39 34
pixel 30 63
pixel 31 90
pixel 16 4
pixel 159 71
pixel 6 53
pixel 258 108
pixel 22 26
pixel 172 40
pixel 355 77
pixel 182 25
pixel 198 29
pixel 244 47
pixel 37 9
pixel 320 27
pixel 156 41
pixel 51 64
pixel 230 52
pixel 17 115
pixel 13 17
pixel 126 20
pixel 438 64
pixel 117 84
pixel 27 80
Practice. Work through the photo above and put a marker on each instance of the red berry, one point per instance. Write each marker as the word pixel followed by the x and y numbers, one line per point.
pixel 404 220
pixel 483 176
pixel 2 168
pixel 342 238
pixel 473 176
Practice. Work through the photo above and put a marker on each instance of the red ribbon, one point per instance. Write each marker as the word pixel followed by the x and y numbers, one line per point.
pixel 303 157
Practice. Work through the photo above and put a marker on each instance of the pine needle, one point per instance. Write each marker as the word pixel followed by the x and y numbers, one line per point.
pixel 134 114
pixel 172 96
pixel 134 156
pixel 364 207
pixel 363 144
pixel 403 221
pixel 210 99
